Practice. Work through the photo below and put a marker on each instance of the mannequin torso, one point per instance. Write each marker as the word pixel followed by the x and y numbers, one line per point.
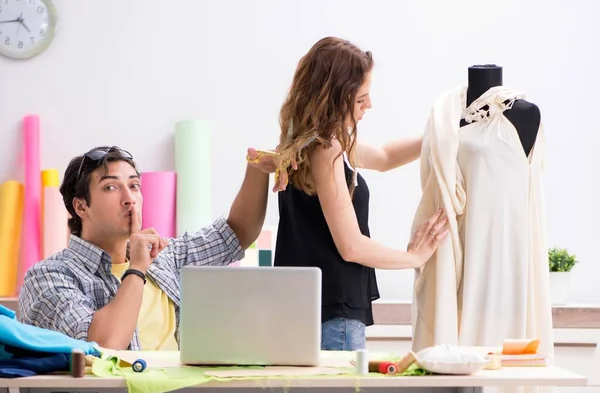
pixel 524 115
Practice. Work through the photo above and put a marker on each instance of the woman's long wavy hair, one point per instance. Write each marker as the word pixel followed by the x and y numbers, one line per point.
pixel 320 98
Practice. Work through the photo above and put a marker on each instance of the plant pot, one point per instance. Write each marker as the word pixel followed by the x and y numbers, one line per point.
pixel 559 287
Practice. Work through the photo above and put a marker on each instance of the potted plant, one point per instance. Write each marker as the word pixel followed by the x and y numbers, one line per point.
pixel 560 263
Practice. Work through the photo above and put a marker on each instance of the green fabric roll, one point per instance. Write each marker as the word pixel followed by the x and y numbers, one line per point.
pixel 193 166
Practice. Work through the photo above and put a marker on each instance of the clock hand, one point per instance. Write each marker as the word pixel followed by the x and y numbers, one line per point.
pixel 25 26
pixel 19 19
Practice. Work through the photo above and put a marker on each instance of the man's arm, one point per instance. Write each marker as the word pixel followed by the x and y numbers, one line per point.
pixel 224 241
pixel 124 308
pixel 247 214
pixel 389 156
pixel 214 245
pixel 51 298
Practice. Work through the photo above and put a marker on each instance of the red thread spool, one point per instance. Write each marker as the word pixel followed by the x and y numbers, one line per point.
pixel 387 368
pixel 392 368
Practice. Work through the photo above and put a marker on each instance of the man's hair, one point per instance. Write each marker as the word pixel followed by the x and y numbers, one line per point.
pixel 76 181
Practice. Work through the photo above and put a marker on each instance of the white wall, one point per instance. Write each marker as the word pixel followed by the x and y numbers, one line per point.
pixel 124 71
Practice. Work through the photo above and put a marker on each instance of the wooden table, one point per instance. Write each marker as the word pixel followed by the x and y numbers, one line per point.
pixel 510 376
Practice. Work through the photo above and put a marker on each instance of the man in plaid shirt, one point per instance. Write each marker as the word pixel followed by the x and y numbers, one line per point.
pixel 116 284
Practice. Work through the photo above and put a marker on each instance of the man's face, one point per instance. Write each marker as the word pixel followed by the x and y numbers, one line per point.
pixel 112 193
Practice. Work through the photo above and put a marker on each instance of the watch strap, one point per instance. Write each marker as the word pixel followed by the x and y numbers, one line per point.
pixel 135 272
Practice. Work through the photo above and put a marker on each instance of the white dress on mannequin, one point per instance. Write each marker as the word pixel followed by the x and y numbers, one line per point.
pixel 489 279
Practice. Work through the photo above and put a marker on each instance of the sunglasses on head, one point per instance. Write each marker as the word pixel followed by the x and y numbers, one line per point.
pixel 98 154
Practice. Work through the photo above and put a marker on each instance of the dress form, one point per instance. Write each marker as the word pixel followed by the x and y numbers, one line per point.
pixel 488 280
pixel 524 115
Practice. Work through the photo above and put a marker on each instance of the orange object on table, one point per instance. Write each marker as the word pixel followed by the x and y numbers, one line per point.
pixel 520 346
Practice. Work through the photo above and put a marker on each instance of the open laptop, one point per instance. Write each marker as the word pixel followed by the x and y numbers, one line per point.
pixel 250 316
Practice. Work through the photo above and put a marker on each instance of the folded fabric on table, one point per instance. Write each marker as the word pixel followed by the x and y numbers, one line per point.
pixel 164 372
pixel 30 366
pixel 27 350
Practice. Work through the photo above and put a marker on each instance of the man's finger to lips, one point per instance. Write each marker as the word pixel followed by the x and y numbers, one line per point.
pixel 133 217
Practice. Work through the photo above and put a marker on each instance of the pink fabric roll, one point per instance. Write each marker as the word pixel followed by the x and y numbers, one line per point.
pixel 158 211
pixel 33 192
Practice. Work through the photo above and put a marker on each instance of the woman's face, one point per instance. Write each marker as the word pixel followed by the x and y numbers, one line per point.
pixel 362 102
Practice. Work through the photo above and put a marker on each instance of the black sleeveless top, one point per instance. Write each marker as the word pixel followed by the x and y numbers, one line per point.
pixel 304 239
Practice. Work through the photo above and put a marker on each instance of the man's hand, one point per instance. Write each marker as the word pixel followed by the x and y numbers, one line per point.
pixel 268 162
pixel 144 245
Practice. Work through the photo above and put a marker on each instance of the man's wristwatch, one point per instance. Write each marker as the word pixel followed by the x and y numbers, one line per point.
pixel 135 272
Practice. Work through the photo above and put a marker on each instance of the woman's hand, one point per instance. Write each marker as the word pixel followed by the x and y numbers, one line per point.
pixel 425 241
pixel 268 161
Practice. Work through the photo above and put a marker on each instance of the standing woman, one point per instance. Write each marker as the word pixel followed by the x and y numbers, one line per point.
pixel 324 211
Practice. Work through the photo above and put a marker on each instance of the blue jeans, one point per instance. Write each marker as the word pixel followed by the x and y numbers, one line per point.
pixel 342 334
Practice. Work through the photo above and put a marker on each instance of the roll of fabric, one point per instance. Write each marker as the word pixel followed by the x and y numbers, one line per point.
pixel 50 178
pixel 193 167
pixel 11 216
pixel 159 192
pixel 33 194
pixel 55 229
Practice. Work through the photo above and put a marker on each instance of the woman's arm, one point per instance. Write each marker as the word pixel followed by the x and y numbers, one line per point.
pixel 389 156
pixel 353 246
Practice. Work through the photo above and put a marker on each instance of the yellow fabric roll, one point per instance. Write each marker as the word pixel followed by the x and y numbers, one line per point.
pixel 50 178
pixel 11 217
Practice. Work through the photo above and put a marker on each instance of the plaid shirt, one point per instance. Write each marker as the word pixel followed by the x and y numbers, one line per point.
pixel 63 292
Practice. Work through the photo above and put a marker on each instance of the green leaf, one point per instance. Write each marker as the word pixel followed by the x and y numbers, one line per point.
pixel 560 260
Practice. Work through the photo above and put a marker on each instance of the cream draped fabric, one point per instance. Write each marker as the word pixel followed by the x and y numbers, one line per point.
pixel 489 279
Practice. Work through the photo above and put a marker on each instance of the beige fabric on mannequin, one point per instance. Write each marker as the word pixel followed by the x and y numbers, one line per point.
pixel 489 279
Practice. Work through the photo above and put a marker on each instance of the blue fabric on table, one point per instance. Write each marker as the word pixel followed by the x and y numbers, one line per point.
pixel 27 350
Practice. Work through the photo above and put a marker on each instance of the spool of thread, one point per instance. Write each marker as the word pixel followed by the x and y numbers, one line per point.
pixel 362 362
pixel 77 369
pixel 388 368
pixel 383 367
pixel 139 365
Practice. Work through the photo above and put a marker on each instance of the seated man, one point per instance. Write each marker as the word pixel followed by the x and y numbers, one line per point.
pixel 118 285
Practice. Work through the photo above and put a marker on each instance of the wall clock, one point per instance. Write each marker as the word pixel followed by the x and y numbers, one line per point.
pixel 26 27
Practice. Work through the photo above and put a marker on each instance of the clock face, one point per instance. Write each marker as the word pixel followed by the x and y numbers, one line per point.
pixel 26 27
